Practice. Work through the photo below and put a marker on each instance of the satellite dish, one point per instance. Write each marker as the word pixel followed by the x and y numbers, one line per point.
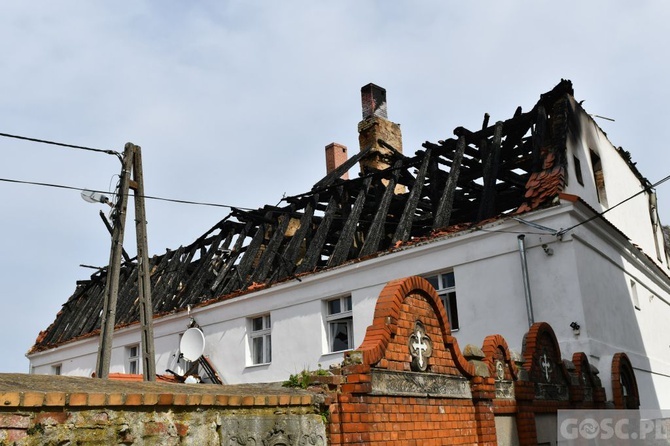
pixel 192 344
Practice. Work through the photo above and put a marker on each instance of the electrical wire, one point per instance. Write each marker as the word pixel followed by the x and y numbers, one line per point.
pixel 600 214
pixel 71 146
pixel 148 197
pixel 200 203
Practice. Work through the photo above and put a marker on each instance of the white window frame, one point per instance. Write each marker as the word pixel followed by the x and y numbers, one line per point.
pixel 342 314
pixel 56 369
pixel 446 289
pixel 260 337
pixel 133 359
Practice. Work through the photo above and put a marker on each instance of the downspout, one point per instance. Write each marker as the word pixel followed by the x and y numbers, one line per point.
pixel 526 281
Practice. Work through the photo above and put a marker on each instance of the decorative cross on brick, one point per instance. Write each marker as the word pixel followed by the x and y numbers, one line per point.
pixel 546 365
pixel 420 347
pixel 500 370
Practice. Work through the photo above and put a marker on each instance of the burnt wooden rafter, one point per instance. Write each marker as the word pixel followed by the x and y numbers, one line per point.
pixel 490 173
pixel 292 251
pixel 404 228
pixel 475 176
pixel 444 208
pixel 224 276
pixel 346 238
pixel 335 175
pixel 266 261
pixel 376 231
pixel 538 138
pixel 244 269
pixel 193 288
pixel 313 252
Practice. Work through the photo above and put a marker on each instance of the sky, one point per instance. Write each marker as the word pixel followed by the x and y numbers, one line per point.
pixel 233 102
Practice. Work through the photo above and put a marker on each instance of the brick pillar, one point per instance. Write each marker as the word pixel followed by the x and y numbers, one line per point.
pixel 483 393
pixel 525 419
pixel 336 155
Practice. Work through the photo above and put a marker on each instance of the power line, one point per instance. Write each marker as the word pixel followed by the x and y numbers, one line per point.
pixel 148 197
pixel 600 214
pixel 54 143
pixel 201 203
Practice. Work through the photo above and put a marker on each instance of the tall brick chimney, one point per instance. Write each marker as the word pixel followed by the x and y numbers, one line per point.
pixel 336 155
pixel 375 126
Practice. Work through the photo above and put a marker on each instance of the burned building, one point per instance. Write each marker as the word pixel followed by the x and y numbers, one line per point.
pixel 510 223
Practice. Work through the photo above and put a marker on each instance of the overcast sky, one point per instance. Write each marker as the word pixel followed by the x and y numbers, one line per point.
pixel 233 102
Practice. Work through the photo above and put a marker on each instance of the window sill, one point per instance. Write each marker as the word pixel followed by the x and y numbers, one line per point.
pixel 332 354
pixel 256 366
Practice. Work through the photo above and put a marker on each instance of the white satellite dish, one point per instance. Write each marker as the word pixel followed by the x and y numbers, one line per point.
pixel 192 344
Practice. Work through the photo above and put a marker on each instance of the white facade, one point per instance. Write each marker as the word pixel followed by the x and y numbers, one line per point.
pixel 594 275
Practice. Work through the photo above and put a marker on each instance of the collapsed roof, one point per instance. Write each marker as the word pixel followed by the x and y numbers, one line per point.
pixel 509 167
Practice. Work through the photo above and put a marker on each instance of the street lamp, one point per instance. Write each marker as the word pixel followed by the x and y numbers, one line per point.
pixel 95 197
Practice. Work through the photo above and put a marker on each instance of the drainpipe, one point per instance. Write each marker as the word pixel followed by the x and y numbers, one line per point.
pixel 526 282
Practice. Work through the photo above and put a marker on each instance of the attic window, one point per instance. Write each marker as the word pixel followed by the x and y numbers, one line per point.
pixel 578 171
pixel 599 178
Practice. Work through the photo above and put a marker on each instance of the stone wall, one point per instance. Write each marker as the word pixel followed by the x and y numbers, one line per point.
pixel 55 410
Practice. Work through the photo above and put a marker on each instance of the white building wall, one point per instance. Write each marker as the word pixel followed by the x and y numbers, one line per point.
pixel 632 218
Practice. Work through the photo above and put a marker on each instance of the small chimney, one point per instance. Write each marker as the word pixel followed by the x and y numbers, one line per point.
pixel 376 126
pixel 336 155
pixel 373 98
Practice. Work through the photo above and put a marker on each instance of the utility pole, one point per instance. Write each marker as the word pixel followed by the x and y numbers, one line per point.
pixel 131 167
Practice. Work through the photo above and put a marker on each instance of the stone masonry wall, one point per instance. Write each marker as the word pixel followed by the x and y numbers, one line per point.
pixel 54 410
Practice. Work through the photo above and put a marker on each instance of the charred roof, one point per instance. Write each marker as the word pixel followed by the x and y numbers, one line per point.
pixel 509 167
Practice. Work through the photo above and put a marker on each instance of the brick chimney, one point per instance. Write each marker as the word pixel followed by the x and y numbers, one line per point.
pixel 375 126
pixel 336 155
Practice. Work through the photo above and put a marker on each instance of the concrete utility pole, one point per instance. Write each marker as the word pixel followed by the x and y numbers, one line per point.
pixel 132 166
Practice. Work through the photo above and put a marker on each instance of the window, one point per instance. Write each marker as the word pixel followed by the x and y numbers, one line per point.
pixel 599 178
pixel 578 170
pixel 261 340
pixel 56 369
pixel 340 324
pixel 133 359
pixel 445 285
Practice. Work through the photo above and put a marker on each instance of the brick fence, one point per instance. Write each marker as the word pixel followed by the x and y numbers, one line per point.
pixel 409 383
